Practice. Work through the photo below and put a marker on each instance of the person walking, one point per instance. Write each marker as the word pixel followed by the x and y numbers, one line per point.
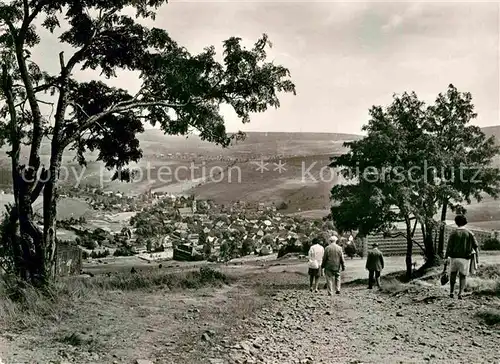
pixel 316 252
pixel 333 262
pixel 374 265
pixel 462 246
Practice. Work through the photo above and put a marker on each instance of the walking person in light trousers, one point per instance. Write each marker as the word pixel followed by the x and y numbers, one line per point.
pixel 462 247
pixel 333 262
pixel 316 252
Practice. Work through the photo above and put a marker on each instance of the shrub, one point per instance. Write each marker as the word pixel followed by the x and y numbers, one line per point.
pixel 86 242
pixel 101 254
pixel 491 244
pixel 123 252
pixel 247 247
pixel 306 245
pixel 159 249
pixel 350 250
pixel 282 206
pixel 205 277
pixel 290 248
pixel 264 251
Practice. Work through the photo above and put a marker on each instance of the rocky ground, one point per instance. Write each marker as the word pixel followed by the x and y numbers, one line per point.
pixel 267 316
pixel 362 326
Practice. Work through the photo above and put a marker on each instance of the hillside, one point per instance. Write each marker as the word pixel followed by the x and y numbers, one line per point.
pixel 189 165
pixel 492 131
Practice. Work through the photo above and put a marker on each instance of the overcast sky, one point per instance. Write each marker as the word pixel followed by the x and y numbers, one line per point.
pixel 345 57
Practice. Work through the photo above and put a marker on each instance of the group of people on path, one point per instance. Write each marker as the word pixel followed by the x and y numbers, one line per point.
pixel 330 261
pixel 462 257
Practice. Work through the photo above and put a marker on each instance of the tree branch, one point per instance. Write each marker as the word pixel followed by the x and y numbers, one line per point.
pixel 39 185
pixel 58 140
pixel 41 88
pixel 34 159
pixel 117 109
pixel 28 18
pixel 78 55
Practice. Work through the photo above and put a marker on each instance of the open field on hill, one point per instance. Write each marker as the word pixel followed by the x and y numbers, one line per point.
pixel 257 312
pixel 301 182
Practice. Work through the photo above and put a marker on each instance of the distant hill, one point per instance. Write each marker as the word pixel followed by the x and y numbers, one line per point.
pixel 303 184
pixel 492 131
pixel 154 141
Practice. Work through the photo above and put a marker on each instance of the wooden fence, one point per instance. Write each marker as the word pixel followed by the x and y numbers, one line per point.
pixel 397 246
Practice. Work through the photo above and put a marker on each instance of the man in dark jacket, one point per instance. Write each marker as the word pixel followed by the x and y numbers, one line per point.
pixel 333 262
pixel 374 265
pixel 460 249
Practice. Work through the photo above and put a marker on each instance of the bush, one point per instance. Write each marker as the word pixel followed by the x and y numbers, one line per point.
pixel 123 252
pixel 158 249
pixel 86 242
pixel 205 277
pixel 306 245
pixel 350 250
pixel 491 244
pixel 282 206
pixel 290 248
pixel 264 251
pixel 101 254
pixel 247 247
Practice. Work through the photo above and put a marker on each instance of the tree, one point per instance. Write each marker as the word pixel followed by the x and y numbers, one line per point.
pixel 458 142
pixel 380 169
pixel 247 247
pixel 202 238
pixel 180 92
pixel 404 170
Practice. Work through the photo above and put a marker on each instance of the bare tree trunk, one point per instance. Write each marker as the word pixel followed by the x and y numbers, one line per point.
pixel 30 236
pixel 11 239
pixel 430 253
pixel 409 249
pixel 442 228
pixel 49 218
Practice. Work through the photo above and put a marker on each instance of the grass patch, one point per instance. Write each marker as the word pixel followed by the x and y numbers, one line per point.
pixel 489 271
pixel 490 317
pixel 483 287
pixel 23 307
pixel 205 277
pixel 486 282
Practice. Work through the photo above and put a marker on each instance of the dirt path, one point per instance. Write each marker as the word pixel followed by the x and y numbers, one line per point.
pixel 268 316
pixel 355 268
pixel 363 326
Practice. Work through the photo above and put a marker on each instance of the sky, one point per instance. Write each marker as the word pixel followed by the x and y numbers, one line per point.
pixel 345 57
